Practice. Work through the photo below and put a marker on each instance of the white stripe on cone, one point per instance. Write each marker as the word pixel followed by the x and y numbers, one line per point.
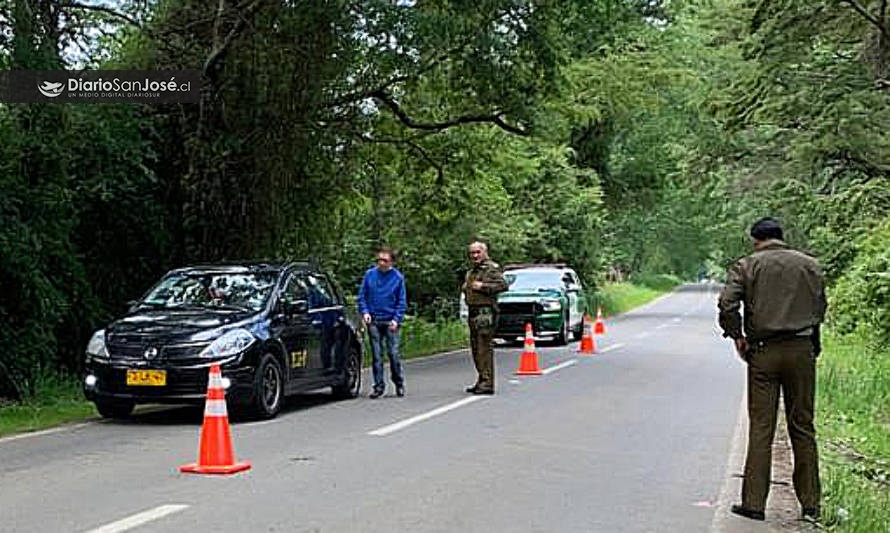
pixel 215 408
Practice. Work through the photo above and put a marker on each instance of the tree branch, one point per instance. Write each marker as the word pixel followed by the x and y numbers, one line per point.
pixel 869 17
pixel 221 46
pixel 102 9
pixel 494 118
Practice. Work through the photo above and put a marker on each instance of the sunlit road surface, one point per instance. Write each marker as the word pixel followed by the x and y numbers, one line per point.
pixel 634 438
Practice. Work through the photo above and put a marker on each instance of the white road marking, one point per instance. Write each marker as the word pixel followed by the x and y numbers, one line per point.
pixel 392 428
pixel 661 326
pixel 611 347
pixel 42 432
pixel 560 366
pixel 139 519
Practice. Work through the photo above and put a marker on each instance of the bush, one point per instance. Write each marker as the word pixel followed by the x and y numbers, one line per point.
pixel 659 282
pixel 861 298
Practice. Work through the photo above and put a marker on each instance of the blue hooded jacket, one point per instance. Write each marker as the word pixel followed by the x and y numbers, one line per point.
pixel 382 295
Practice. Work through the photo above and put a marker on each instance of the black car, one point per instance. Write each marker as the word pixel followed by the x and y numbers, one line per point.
pixel 274 329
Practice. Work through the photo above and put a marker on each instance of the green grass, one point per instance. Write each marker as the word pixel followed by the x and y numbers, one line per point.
pixel 57 400
pixel 853 425
pixel 616 298
pixel 420 337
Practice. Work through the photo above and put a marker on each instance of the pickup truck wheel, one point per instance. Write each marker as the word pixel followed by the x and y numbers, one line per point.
pixel 563 338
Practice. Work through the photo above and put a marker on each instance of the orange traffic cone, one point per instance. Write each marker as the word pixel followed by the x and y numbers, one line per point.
pixel 600 326
pixel 588 344
pixel 215 454
pixel 528 362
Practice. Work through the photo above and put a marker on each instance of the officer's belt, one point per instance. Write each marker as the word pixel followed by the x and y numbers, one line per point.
pixel 804 333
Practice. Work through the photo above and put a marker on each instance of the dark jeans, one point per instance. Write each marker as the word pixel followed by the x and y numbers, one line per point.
pixel 378 331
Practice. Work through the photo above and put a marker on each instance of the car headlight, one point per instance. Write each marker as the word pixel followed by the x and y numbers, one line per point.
pixel 96 348
pixel 231 343
pixel 551 305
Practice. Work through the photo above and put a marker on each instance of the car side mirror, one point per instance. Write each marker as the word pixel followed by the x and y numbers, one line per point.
pixel 297 307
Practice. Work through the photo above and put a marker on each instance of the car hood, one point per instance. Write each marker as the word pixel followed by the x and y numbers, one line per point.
pixel 192 324
pixel 527 296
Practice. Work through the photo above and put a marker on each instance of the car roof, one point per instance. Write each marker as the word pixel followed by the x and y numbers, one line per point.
pixel 557 267
pixel 235 267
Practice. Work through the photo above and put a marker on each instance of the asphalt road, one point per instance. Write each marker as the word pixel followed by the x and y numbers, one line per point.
pixel 634 438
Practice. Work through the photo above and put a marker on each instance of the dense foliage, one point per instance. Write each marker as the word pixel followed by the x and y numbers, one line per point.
pixel 628 137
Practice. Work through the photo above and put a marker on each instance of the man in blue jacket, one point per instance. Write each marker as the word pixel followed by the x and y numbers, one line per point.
pixel 381 301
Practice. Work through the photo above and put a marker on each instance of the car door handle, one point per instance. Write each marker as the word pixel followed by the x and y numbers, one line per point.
pixel 316 322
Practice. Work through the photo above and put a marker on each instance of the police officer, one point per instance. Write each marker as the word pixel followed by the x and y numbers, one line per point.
pixel 481 286
pixel 783 294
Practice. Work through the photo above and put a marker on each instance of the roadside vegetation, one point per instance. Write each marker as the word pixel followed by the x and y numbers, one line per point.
pixel 58 399
pixel 631 139
pixel 853 430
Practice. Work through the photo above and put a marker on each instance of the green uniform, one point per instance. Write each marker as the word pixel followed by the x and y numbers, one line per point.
pixel 482 305
pixel 783 294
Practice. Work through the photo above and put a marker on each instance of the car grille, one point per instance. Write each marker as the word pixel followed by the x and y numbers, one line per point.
pixel 133 349
pixel 519 308
pixel 124 348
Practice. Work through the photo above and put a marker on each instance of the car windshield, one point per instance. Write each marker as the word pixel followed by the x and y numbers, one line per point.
pixel 531 280
pixel 221 290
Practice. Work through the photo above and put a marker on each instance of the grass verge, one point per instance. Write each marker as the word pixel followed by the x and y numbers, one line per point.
pixel 616 298
pixel 420 337
pixel 57 400
pixel 853 425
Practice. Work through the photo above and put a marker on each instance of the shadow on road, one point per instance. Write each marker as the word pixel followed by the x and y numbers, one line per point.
pixel 172 415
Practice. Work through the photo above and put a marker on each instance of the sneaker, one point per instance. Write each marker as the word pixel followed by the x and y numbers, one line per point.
pixel 375 394
pixel 747 513
pixel 400 390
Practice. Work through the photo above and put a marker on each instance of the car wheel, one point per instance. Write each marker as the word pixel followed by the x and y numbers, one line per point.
pixel 563 338
pixel 268 388
pixel 116 409
pixel 352 378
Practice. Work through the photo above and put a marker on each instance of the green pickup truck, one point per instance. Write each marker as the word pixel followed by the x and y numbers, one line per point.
pixel 550 297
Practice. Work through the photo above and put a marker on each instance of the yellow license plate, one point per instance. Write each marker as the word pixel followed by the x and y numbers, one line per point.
pixel 152 378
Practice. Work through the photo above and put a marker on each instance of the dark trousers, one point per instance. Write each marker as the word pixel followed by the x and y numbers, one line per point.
pixel 481 339
pixel 790 366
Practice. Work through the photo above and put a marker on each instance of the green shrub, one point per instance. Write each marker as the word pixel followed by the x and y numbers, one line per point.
pixel 861 297
pixel 659 282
